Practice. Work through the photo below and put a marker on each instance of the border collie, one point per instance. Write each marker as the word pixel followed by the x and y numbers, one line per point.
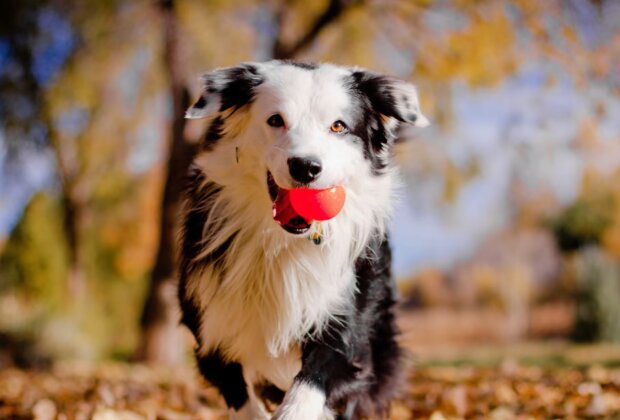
pixel 277 314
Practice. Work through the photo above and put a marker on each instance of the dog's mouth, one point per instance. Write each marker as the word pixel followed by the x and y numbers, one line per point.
pixel 283 212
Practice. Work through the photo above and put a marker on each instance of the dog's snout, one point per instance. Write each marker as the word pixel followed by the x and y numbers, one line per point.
pixel 304 170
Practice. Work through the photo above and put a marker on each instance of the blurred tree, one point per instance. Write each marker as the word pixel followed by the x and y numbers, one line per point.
pixel 109 109
pixel 160 336
pixel 28 40
pixel 597 316
pixel 585 231
pixel 583 223
pixel 100 108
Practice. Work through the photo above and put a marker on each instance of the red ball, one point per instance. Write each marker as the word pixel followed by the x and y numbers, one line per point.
pixel 317 204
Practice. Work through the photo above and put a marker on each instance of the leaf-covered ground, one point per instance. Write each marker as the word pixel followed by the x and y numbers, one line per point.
pixel 504 391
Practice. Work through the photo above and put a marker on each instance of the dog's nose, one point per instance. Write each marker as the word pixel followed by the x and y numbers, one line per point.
pixel 304 170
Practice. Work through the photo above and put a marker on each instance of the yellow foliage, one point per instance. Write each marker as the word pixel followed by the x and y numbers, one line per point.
pixel 605 188
pixel 611 238
pixel 204 46
pixel 352 42
pixel 298 16
pixel 482 54
pixel 452 182
pixel 455 177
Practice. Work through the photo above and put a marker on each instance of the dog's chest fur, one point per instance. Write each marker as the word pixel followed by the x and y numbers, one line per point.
pixel 270 306
pixel 268 290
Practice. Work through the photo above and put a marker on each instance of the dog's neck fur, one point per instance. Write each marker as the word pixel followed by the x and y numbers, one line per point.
pixel 273 288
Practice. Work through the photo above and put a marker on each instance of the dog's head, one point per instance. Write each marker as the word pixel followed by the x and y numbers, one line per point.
pixel 292 125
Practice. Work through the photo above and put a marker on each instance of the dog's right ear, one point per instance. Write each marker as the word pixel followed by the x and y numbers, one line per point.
pixel 391 97
pixel 226 88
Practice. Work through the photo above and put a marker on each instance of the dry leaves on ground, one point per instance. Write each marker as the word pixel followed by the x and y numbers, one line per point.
pixel 127 392
pixel 510 391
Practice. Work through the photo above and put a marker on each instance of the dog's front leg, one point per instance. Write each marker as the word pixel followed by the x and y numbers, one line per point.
pixel 228 378
pixel 324 374
pixel 304 401
pixel 251 410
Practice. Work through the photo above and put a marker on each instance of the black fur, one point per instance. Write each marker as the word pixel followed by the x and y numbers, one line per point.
pixel 200 193
pixel 269 392
pixel 214 133
pixel 235 85
pixel 379 90
pixel 377 99
pixel 299 64
pixel 227 377
pixel 356 358
pixel 368 123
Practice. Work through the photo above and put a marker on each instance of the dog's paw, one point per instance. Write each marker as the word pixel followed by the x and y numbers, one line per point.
pixel 252 410
pixel 303 402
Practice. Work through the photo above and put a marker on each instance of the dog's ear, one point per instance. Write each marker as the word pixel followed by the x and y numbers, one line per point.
pixel 226 88
pixel 391 97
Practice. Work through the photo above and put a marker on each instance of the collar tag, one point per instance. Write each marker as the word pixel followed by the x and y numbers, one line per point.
pixel 317 236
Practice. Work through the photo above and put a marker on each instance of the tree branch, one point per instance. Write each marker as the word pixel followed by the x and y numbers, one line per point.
pixel 333 12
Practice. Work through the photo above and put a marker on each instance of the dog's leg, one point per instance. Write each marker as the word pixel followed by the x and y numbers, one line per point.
pixel 228 378
pixel 356 357
pixel 252 410
pixel 325 374
pixel 304 401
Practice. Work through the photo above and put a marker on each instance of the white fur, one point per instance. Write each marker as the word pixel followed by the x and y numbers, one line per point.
pixel 274 287
pixel 303 402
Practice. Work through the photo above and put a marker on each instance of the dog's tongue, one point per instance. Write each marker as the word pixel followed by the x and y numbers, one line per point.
pixel 283 211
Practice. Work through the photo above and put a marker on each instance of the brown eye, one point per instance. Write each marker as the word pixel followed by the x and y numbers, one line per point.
pixel 276 121
pixel 338 127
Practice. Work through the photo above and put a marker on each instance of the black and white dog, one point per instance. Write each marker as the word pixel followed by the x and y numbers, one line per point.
pixel 275 314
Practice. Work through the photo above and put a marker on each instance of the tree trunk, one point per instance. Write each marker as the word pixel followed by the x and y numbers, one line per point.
pixel 76 283
pixel 162 338
pixel 73 207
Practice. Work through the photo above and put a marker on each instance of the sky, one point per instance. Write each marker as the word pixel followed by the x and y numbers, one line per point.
pixel 517 130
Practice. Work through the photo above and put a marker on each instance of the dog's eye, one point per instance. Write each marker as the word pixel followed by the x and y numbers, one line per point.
pixel 338 127
pixel 276 120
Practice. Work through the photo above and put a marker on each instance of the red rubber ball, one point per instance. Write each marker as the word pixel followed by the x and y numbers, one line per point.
pixel 317 204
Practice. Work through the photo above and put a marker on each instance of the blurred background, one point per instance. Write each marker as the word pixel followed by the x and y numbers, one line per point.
pixel 507 228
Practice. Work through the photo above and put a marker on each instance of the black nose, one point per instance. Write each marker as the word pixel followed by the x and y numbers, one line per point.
pixel 304 170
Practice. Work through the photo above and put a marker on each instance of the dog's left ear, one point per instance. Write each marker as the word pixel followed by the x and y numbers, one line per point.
pixel 391 97
pixel 226 88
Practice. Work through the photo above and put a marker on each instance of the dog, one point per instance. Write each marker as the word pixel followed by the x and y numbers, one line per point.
pixel 277 314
